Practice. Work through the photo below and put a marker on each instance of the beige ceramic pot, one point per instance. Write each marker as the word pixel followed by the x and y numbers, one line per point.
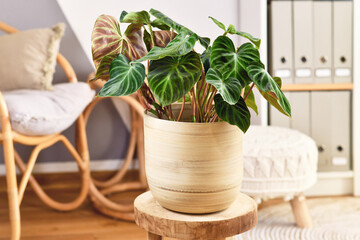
pixel 193 167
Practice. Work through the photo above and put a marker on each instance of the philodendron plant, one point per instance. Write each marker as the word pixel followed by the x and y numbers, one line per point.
pixel 218 83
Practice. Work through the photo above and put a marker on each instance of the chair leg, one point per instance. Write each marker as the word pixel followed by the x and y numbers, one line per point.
pixel 12 190
pixel 301 212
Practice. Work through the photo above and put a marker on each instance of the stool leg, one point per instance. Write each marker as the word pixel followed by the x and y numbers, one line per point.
pixel 152 236
pixel 301 212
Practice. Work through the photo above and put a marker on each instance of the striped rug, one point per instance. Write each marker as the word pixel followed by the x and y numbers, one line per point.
pixel 334 219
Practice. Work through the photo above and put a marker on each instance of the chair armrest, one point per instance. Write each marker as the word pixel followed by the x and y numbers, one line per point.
pixel 4 116
pixel 67 68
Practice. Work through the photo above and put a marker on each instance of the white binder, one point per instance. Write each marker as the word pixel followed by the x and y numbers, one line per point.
pixel 342 20
pixel 281 40
pixel 300 106
pixel 322 41
pixel 300 109
pixel 303 41
pixel 330 128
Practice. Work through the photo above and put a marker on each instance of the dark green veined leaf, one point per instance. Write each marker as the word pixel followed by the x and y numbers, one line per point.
pixel 134 36
pixel 159 24
pixel 230 89
pixel 205 59
pixel 220 24
pixel 179 46
pixel 106 38
pixel 142 17
pixel 103 69
pixel 266 83
pixel 250 100
pixel 237 114
pixel 233 63
pixel 170 78
pixel 255 41
pixel 125 77
pixel 176 26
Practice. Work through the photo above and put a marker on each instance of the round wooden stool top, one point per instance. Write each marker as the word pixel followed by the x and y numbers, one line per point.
pixel 240 217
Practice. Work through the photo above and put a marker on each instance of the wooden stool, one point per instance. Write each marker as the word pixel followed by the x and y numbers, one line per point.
pixel 159 222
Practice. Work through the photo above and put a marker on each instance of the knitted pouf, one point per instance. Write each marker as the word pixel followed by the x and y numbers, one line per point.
pixel 278 162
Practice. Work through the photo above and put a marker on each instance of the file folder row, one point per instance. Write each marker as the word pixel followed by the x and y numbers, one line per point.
pixel 325 116
pixel 311 41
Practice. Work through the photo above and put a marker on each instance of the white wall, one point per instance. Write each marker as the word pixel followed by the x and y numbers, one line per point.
pixel 191 13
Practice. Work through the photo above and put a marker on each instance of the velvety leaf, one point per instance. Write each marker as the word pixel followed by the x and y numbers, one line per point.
pixel 255 41
pixel 237 114
pixel 250 100
pixel 274 101
pixel 159 24
pixel 162 38
pixel 180 45
pixel 230 89
pixel 205 59
pixel 176 26
pixel 142 17
pixel 147 40
pixel 232 63
pixel 170 78
pixel 220 24
pixel 125 77
pixel 103 69
pixel 278 81
pixel 106 38
pixel 266 83
pixel 134 36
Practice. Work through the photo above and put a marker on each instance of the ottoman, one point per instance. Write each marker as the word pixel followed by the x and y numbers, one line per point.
pixel 280 162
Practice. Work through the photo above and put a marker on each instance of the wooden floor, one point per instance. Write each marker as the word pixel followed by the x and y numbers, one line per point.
pixel 42 223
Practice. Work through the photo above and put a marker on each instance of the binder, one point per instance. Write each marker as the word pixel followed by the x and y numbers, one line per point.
pixel 300 105
pixel 321 112
pixel 322 13
pixel 340 129
pixel 342 47
pixel 303 41
pixel 281 40
pixel 330 128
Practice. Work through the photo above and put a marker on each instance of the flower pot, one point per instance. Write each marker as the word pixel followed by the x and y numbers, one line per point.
pixel 193 167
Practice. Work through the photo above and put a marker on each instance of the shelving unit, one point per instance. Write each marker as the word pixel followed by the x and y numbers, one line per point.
pixel 340 182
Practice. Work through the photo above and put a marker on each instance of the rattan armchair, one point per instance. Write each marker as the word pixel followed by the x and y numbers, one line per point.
pixel 8 137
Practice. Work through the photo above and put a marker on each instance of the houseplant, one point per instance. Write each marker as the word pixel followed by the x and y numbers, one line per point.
pixel 193 152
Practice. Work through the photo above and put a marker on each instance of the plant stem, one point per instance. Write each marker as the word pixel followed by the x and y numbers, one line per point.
pixel 247 94
pixel 197 106
pixel 214 118
pixel 141 100
pixel 211 99
pixel 170 112
pixel 182 109
pixel 192 108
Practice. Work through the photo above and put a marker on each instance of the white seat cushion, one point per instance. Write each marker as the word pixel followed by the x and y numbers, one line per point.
pixel 278 162
pixel 41 112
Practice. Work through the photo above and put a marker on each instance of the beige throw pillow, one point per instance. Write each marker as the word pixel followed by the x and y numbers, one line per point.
pixel 28 58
